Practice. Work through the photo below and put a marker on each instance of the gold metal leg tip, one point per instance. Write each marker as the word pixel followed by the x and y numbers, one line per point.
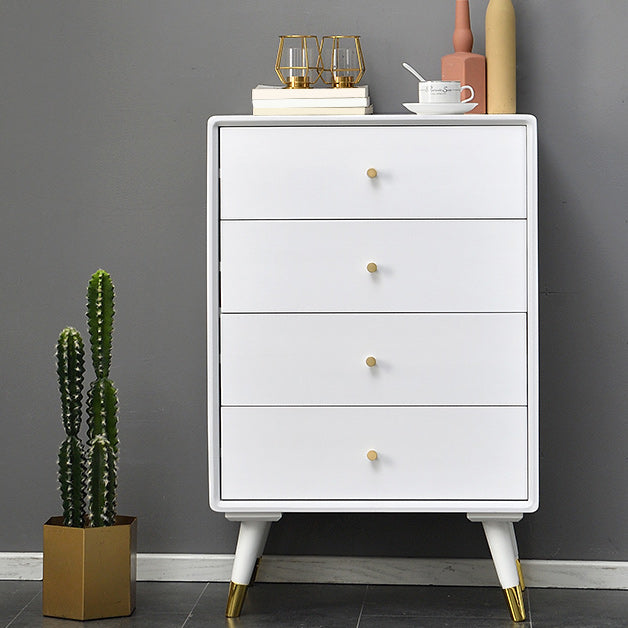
pixel 235 601
pixel 514 599
pixel 522 583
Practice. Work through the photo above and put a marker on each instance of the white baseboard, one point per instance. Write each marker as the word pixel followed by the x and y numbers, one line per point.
pixel 21 565
pixel 567 574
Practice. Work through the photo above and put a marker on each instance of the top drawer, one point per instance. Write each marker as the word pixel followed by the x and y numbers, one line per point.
pixel 422 172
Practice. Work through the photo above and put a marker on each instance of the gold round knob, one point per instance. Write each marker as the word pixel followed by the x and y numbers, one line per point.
pixel 371 361
pixel 371 454
pixel 371 267
pixel 371 173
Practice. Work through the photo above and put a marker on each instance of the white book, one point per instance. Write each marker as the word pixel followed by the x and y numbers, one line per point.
pixel 274 92
pixel 312 111
pixel 311 102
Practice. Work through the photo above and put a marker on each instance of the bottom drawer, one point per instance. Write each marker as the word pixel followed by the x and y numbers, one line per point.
pixel 423 453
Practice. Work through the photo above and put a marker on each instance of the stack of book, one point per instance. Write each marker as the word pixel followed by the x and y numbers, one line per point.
pixel 280 101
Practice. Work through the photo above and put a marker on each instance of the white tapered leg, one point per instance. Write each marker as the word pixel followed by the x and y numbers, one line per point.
pixel 499 533
pixel 254 531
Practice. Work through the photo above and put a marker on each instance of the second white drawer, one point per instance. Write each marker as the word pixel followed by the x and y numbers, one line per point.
pixel 420 359
pixel 373 266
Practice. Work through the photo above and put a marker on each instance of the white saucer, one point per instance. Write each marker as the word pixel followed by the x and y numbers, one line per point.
pixel 442 108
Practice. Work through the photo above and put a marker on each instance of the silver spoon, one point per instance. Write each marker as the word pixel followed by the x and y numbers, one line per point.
pixel 410 69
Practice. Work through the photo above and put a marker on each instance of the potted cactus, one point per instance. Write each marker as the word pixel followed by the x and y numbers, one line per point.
pixel 89 552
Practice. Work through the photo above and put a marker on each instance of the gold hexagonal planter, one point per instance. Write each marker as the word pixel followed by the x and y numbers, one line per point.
pixel 89 573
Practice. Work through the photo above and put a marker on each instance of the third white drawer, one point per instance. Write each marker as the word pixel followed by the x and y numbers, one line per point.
pixel 420 359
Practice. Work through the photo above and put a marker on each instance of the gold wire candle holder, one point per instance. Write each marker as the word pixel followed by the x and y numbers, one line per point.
pixel 297 60
pixel 341 62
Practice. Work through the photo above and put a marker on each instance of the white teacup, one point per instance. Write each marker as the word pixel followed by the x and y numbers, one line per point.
pixel 443 92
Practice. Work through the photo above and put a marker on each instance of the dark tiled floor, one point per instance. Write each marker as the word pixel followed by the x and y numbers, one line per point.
pixel 193 604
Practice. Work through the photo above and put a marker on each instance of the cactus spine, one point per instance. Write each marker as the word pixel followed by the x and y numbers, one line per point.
pixel 70 370
pixel 89 477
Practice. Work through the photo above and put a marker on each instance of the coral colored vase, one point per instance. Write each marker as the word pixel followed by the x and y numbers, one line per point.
pixel 463 65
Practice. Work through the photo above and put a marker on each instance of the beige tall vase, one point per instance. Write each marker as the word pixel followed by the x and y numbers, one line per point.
pixel 501 58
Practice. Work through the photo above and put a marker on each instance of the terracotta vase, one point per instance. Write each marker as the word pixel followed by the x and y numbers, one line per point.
pixel 463 65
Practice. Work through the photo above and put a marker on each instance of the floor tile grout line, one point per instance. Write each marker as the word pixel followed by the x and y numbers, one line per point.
pixel 23 609
pixel 198 599
pixel 362 607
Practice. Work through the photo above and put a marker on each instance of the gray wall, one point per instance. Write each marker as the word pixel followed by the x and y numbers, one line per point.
pixel 102 149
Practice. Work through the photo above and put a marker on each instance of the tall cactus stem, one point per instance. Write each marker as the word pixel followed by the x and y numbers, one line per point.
pixel 102 406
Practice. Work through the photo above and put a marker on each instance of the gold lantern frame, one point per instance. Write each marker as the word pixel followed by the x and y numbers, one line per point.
pixel 308 67
pixel 347 80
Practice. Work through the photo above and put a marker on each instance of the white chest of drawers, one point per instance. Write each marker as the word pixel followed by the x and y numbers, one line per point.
pixel 372 323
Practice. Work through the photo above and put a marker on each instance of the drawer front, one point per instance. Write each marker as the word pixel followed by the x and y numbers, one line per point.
pixel 422 266
pixel 421 359
pixel 422 453
pixel 428 171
